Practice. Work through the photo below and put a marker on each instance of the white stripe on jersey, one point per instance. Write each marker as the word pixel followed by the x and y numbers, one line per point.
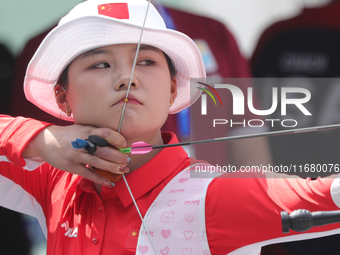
pixel 31 163
pixel 14 197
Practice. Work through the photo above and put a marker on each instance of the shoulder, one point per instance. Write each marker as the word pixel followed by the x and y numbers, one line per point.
pixel 228 189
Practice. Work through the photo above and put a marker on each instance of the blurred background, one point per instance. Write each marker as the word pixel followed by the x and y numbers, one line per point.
pixel 247 19
pixel 23 24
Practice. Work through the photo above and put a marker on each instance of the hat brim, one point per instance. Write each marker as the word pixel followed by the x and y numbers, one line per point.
pixel 67 41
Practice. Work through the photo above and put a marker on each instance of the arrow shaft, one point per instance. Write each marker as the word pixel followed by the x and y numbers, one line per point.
pixel 271 133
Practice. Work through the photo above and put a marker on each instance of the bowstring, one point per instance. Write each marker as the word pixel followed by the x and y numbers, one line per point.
pixel 140 215
pixel 121 121
pixel 133 68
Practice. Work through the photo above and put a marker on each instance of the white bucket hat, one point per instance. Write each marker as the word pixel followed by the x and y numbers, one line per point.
pixel 97 23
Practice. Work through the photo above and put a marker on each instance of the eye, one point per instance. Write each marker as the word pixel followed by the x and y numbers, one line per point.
pixel 100 65
pixel 146 62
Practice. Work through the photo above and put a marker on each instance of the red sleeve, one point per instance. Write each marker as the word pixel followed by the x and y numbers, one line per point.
pixel 25 186
pixel 15 133
pixel 245 211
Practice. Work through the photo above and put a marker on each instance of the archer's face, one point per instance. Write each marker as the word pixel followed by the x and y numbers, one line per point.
pixel 98 81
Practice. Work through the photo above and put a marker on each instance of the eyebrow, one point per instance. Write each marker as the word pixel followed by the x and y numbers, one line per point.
pixel 96 52
pixel 103 51
pixel 148 47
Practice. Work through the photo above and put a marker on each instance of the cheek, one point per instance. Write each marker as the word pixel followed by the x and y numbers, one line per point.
pixel 84 89
pixel 161 105
pixel 82 101
pixel 160 93
pixel 76 98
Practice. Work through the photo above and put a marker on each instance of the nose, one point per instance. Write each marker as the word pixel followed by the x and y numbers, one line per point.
pixel 124 80
pixel 121 86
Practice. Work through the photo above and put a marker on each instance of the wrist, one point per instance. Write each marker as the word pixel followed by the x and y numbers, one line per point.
pixel 36 144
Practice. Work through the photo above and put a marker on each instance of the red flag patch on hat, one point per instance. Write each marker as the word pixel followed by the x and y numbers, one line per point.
pixel 114 10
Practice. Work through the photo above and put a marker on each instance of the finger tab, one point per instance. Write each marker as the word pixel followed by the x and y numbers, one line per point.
pixel 108 175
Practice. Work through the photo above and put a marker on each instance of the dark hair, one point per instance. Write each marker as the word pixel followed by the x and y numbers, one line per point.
pixel 63 79
pixel 171 66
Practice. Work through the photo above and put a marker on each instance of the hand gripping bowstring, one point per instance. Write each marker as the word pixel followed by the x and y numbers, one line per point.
pixel 121 121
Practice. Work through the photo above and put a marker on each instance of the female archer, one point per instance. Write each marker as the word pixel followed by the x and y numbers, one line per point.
pixel 82 72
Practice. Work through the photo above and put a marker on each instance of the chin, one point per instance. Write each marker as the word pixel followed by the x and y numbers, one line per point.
pixel 132 133
pixel 109 122
pixel 138 133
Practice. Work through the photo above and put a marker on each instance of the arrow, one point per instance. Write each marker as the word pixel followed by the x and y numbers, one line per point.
pixel 143 148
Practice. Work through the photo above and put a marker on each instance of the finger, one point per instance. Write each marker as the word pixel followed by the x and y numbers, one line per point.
pixel 111 136
pixel 112 155
pixel 99 163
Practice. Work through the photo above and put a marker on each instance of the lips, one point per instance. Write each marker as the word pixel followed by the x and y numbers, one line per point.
pixel 131 100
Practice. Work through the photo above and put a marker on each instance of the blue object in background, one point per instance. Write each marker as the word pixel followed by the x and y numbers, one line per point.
pixel 183 117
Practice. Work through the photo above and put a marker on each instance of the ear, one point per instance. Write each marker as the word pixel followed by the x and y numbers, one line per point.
pixel 173 88
pixel 60 96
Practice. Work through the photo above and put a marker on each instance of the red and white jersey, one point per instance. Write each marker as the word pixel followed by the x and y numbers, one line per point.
pixel 242 214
